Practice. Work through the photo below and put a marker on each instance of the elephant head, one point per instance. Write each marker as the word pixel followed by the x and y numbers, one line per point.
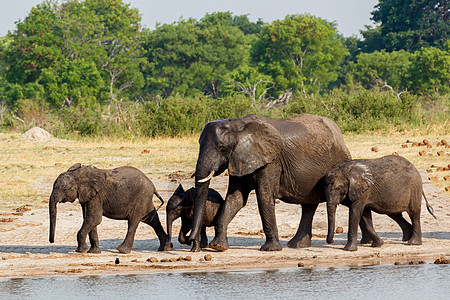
pixel 349 180
pixel 240 145
pixel 76 182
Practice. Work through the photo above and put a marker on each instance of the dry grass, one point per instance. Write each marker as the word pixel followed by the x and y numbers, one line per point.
pixel 28 169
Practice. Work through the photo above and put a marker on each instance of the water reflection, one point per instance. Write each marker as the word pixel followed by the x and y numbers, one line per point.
pixel 375 282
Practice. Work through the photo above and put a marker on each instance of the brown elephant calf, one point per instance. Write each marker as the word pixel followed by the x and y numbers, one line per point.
pixel 387 185
pixel 123 193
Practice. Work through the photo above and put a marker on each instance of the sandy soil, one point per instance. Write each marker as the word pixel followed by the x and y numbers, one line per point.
pixel 26 252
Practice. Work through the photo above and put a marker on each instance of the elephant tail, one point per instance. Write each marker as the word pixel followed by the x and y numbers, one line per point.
pixel 429 207
pixel 160 198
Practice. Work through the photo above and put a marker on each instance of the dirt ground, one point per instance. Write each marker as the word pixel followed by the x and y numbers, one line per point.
pixel 26 252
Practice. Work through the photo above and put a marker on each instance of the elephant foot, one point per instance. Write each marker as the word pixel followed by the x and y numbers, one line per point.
pixel 407 235
pixel 204 245
pixel 350 247
pixel 415 241
pixel 195 249
pixel 94 250
pixel 271 246
pixel 166 247
pixel 377 244
pixel 82 249
pixel 219 245
pixel 366 240
pixel 123 249
pixel 303 243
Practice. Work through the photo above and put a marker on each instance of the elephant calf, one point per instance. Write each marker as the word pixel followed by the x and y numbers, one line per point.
pixel 181 204
pixel 124 193
pixel 387 185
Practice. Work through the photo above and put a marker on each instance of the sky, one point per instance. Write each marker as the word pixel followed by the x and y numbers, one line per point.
pixel 349 15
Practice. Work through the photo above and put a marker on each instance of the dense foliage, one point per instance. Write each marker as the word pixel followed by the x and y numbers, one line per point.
pixel 87 66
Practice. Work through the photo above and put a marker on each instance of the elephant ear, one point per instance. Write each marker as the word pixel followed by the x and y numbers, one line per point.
pixel 360 179
pixel 90 186
pixel 74 167
pixel 258 144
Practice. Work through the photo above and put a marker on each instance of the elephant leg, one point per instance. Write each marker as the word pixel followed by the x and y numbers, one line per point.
pixel 266 207
pixel 153 221
pixel 406 227
pixel 127 244
pixel 237 195
pixel 302 238
pixel 416 237
pixel 93 238
pixel 356 211
pixel 203 238
pixel 369 234
pixel 184 230
pixel 92 214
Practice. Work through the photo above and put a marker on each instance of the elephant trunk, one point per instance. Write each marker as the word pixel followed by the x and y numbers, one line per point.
pixel 331 211
pixel 52 211
pixel 201 194
pixel 169 219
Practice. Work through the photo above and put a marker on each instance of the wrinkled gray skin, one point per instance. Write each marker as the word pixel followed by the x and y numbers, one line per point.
pixel 387 185
pixel 124 193
pixel 181 204
pixel 284 159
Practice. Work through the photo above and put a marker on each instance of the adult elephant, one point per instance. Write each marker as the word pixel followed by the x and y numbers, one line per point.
pixel 284 159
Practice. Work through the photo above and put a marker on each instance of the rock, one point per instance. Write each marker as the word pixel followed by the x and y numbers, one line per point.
pixel 415 144
pixel 444 142
pixel 301 265
pixel 152 259
pixel 188 258
pixel 165 260
pixel 37 134
pixel 339 230
pixel 117 261
pixel 404 146
pixel 208 257
pixel 447 188
pixel 173 259
pixel 422 153
pixel 440 153
pixel 375 149
pixel 426 142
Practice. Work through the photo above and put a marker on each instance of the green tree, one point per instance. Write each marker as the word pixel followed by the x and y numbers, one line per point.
pixel 412 24
pixel 75 49
pixel 380 68
pixel 300 52
pixel 190 56
pixel 430 70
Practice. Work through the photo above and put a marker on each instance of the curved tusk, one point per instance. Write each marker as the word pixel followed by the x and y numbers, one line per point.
pixel 207 178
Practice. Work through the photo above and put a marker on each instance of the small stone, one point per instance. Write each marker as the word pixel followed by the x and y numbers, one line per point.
pixel 301 265
pixel 208 257
pixel 152 259
pixel 173 259
pixel 134 260
pixel 375 149
pixel 339 230
pixel 117 261
pixel 188 258
pixel 426 142
pixel 202 259
pixel 165 260
pixel 421 262
pixel 397 263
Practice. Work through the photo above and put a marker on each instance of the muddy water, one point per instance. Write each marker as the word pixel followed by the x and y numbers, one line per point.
pixel 372 282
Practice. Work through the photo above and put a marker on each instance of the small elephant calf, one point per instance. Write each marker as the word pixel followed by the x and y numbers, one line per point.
pixel 181 204
pixel 123 193
pixel 387 185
